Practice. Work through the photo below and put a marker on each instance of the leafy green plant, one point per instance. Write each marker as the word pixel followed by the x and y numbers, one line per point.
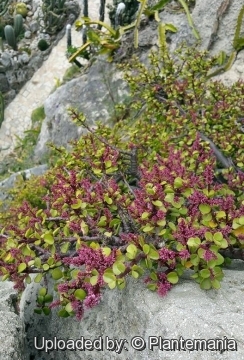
pixel 102 42
pixel 159 193
pixel 38 114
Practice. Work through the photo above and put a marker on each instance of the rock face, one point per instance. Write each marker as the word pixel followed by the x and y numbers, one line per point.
pixel 186 311
pixel 11 327
pixel 93 94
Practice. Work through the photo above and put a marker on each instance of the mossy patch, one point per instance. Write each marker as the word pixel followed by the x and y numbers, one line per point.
pixel 38 114
pixel 71 72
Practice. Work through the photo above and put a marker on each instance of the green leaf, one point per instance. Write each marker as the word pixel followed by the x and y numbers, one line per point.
pixel 131 251
pixel 208 236
pixel 38 311
pixel 215 284
pixel 161 222
pixel 157 203
pixel 46 310
pixel 114 222
pixel 109 276
pixel 38 278
pixel 172 277
pixel 57 274
pixel 153 276
pixel 241 220
pixel 69 308
pixel 112 284
pixel 146 249
pixel 93 280
pixel 42 291
pixel 118 268
pixel 121 283
pixel 102 222
pixel 40 299
pixel 193 242
pixel 205 284
pixel 48 238
pixel 172 226
pixel 218 236
pixel 65 247
pixel 26 251
pixel 108 163
pixel 144 215
pixel 45 267
pixel 28 279
pixel 134 274
pixel 169 198
pixel 204 209
pixel 77 205
pixel 205 273
pixel 194 259
pixel 106 251
pixel 153 254
pixel 21 267
pixel 48 298
pixel 80 294
pixel 63 313
pixel 159 5
pixel 171 27
pixel 178 182
pixel 108 199
pixel 147 228
pixel 152 287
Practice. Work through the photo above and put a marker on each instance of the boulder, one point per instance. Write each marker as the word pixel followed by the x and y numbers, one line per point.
pixel 93 94
pixel 12 334
pixel 147 321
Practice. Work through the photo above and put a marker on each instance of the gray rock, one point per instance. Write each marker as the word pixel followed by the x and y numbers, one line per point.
pixel 11 327
pixel 6 59
pixel 92 93
pixel 4 84
pixel 186 311
pixel 28 34
pixel 34 26
pixel 24 58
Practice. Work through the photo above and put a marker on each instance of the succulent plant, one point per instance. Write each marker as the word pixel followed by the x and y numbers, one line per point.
pixel 21 9
pixel 101 12
pixel 54 14
pixel 131 7
pixel 18 24
pixel 43 45
pixel 10 36
pixel 68 33
pixel 12 33
pixel 3 7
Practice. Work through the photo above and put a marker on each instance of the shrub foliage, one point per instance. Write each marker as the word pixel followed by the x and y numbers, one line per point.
pixel 159 193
